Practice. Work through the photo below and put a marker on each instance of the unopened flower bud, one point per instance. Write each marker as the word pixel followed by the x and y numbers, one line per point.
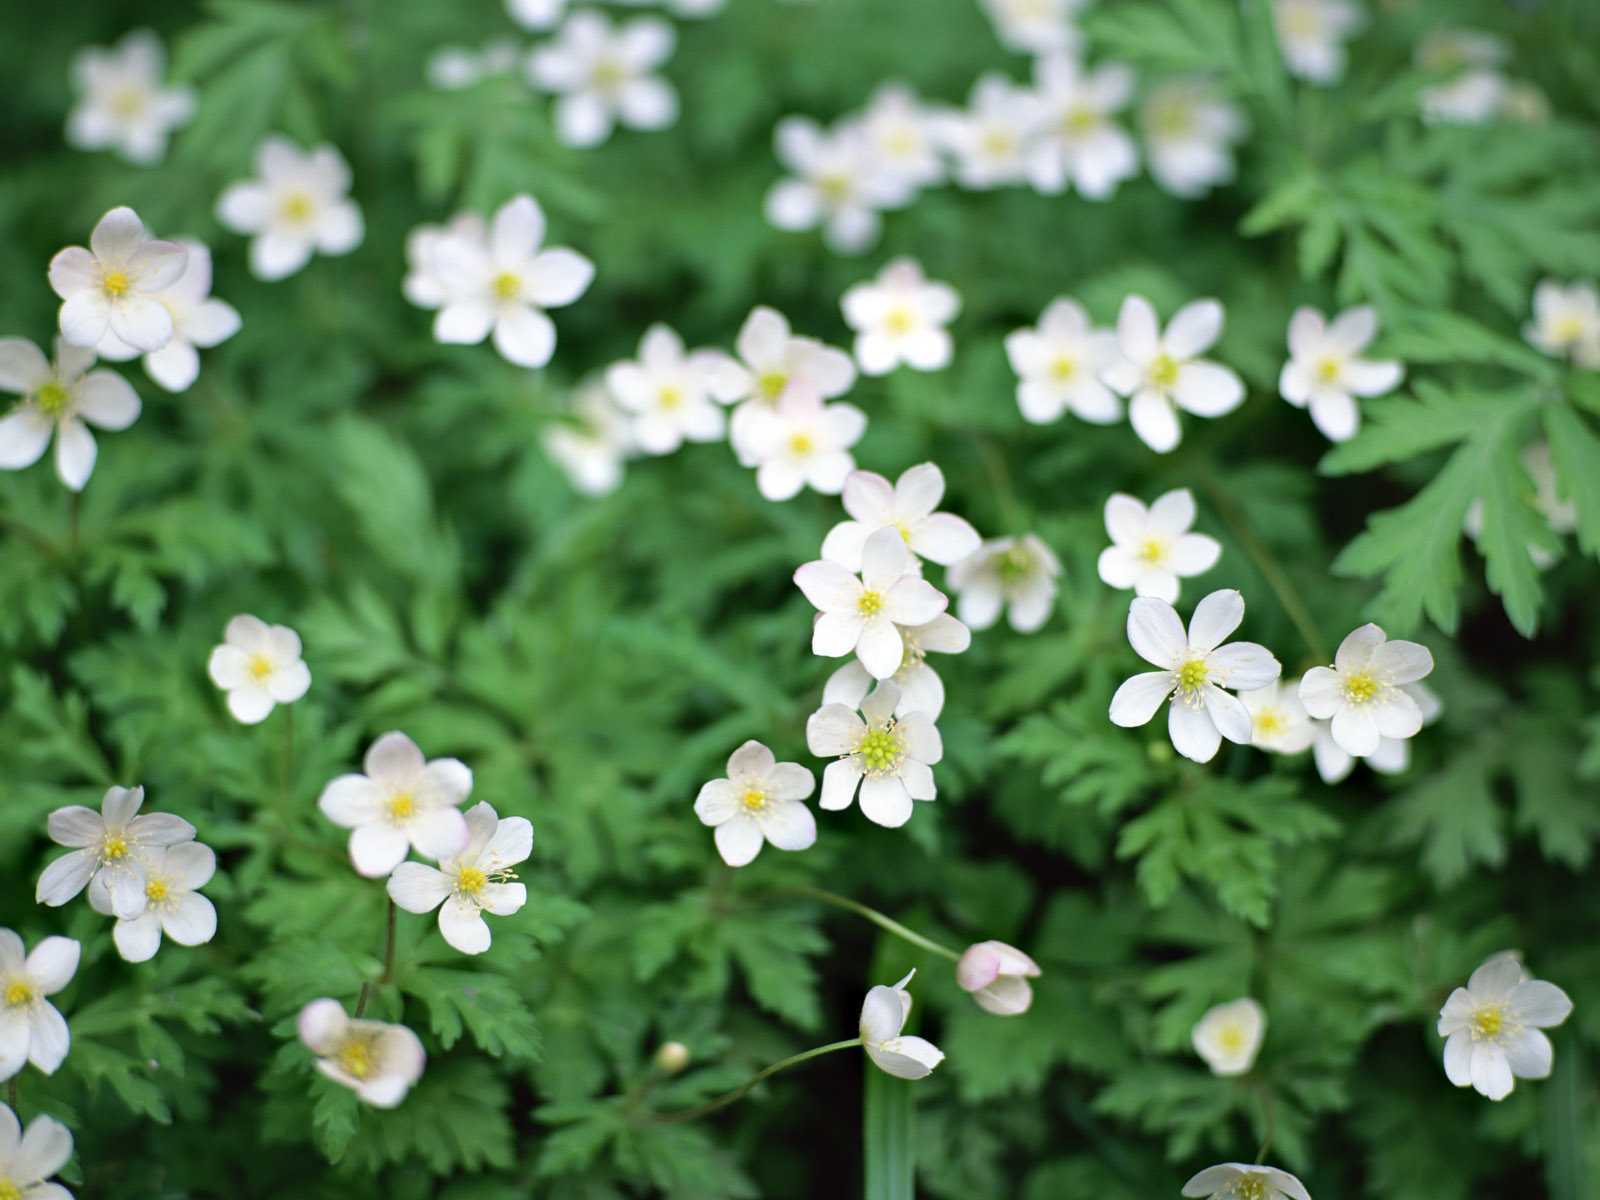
pixel 672 1057
pixel 997 976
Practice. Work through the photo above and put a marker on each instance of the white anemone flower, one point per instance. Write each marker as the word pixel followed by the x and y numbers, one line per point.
pixel 1189 132
pixel 890 758
pixel 907 505
pixel 1325 371
pixel 1279 723
pixel 591 448
pixel 123 106
pixel 1229 1036
pixel 1566 322
pixel 1245 1181
pixel 604 75
pixel 1016 575
pixel 402 802
pixel 199 322
pixel 669 391
pixel 112 285
pixel 61 398
pixel 480 879
pixel 921 689
pixel 173 903
pixel 1152 547
pixel 1392 756
pixel 377 1061
pixel 863 615
pixel 1312 34
pixel 897 128
pixel 836 182
pixel 1058 365
pixel 28 1158
pixel 990 138
pixel 1195 667
pixel 774 363
pixel 1492 1027
pixel 883 1017
pixel 1162 368
pixel 1076 140
pixel 31 1029
pixel 804 443
pixel 297 205
pixel 259 666
pixel 760 800
pixel 1363 693
pixel 111 852
pixel 996 976
pixel 900 318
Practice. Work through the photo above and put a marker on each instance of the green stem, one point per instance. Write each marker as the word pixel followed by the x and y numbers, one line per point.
pixel 878 919
pixel 388 962
pixel 739 1092
pixel 994 463
pixel 1269 1124
pixel 286 767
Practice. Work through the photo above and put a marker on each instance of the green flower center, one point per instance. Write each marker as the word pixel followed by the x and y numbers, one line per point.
pixel 772 384
pixel 881 750
pixel 52 398
pixel 1192 675
pixel 1164 371
pixel 1251 1187
pixel 1015 564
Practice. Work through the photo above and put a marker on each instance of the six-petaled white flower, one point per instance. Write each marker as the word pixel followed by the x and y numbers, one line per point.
pixel 477 880
pixel 111 852
pixel 123 106
pixel 1566 322
pixel 1392 756
pixel 199 321
pixel 760 800
pixel 862 615
pixel 1195 667
pixel 1189 131
pixel 996 976
pixel 31 1029
pixel 297 205
pixel 403 801
pixel 1151 547
pixel 112 286
pixel 921 689
pixel 1491 1027
pixel 592 447
pixel 1279 723
pixel 889 757
pixel 377 1061
pixel 259 666
pixel 1058 366
pixel 883 1017
pixel 1325 371
pixel 1312 34
pixel 774 363
pixel 62 398
pixel 28 1158
pixel 1014 574
pixel 669 392
pixel 1363 693
pixel 836 183
pixel 803 442
pixel 900 317
pixel 1229 1036
pixel 907 505
pixel 173 904
pixel 1076 140
pixel 1162 368
pixel 604 76
pixel 990 138
pixel 1245 1181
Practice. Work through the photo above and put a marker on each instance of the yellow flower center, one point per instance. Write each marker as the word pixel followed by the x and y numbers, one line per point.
pixel 772 384
pixel 801 443
pixel 905 531
pixel 1231 1038
pixel 1489 1021
pixel 999 142
pixel 1063 368
pixel 402 806
pixel 880 750
pixel 834 186
pixel 127 102
pixel 869 603
pixel 669 398
pixel 116 283
pixel 1360 687
pixel 52 398
pixel 1015 564
pixel 9 1190
pixel 901 142
pixel 1192 675
pixel 1164 371
pixel 114 847
pixel 296 208
pixel 356 1057
pixel 17 993
pixel 260 667
pixel 507 285
pixel 1328 370
pixel 1301 20
pixel 754 799
pixel 155 890
pixel 1080 120
pixel 470 880
pixel 1270 722
pixel 1172 120
pixel 609 75
pixel 1152 550
pixel 899 321
pixel 1251 1187
pixel 1567 329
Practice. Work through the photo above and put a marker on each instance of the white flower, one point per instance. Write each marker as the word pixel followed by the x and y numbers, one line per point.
pixel 112 285
pixel 1491 1027
pixel 403 801
pixel 1058 366
pixel 503 283
pixel 426 284
pixel 1229 1036
pixel 1035 26
pixel 901 138
pixel 1477 91
pixel 1189 130
pixel 31 1030
pixel 1362 692
pixel 990 138
pixel 890 757
pixel 921 689
pixel 173 904
pixel 761 799
pixel 1312 34
pixel 591 450
pixel 1076 140
pixel 603 74
pixel 1161 368
pixel 298 205
pixel 804 443
pixel 111 852
pixel 837 183
pixel 997 977
pixel 1151 547
pixel 377 1061
pixel 28 1159
pixel 63 398
pixel 535 15
pixel 475 881
pixel 900 317
pixel 123 106
pixel 1279 723
pixel 1566 322
pixel 1195 667
pixel 1245 1181
pixel 259 666
pixel 1017 574
pixel 774 363
pixel 1325 370
pixel 669 391
pixel 451 68
pixel 863 615
pixel 907 506
pixel 883 1016
pixel 1392 756
pixel 199 321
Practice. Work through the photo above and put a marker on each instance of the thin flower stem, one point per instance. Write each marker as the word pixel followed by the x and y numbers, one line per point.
pixel 1269 1121
pixel 878 919
pixel 994 464
pixel 729 1097
pixel 388 962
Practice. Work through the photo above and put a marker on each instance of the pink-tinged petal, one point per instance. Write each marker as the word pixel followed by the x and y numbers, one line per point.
pixel 918 491
pixel 870 499
pixel 885 559
pixel 1156 634
pixel 1193 329
pixel 1193 734
pixel 839 781
pixel 885 801
pixel 1138 699
pixel 913 601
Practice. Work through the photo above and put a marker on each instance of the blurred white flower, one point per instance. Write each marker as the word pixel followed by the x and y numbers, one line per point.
pixel 890 757
pixel 1017 574
pixel 1312 34
pixel 1162 368
pixel 1076 140
pixel 1491 1027
pixel 900 134
pixel 31 1030
pixel 900 317
pixel 1363 692
pixel 1189 131
pixel 1325 370
pixel 403 801
pixel 451 68
pixel 668 391
pixel 122 105
pixel 1392 756
pixel 535 15
pixel 477 880
pixel 199 321
pixel 591 448
pixel 837 182
pixel 990 138
pixel 1151 547
pixel 804 443
pixel 1279 723
pixel 111 852
pixel 1476 91
pixel 1035 26
pixel 1566 322
pixel 1245 1181
pixel 996 975
pixel 28 1159
pixel 921 689
pixel 774 363
pixel 760 800
pixel 1229 1036
pixel 883 1016
pixel 297 205
pixel 603 74
pixel 1547 499
pixel 907 505
pixel 1195 667
pixel 864 615
pixel 172 901
pixel 377 1061
pixel 259 666
pixel 112 285
pixel 1058 366
pixel 62 398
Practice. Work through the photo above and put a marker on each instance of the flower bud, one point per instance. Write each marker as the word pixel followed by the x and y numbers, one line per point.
pixel 997 976
pixel 671 1057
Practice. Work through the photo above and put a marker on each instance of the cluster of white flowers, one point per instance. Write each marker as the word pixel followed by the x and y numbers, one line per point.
pixel 29 1157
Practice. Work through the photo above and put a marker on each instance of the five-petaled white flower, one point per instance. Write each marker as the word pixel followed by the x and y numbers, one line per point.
pixel 1058 366
pixel 199 321
pixel 1325 370
pixel 863 615
pixel 112 285
pixel 592 448
pixel 1151 547
pixel 1491 1027
pixel 111 852
pixel 1245 1181
pixel 1161 368
pixel 890 757
pixel 1312 34
pixel 669 392
pixel 907 505
pixel 1566 322
pixel 836 183
pixel 996 975
pixel 1035 26
pixel 402 801
pixel 1279 723
pixel 990 138
pixel 259 666
pixel 603 74
pixel 1017 574
pixel 760 800
pixel 28 1159
pixel 900 317
pixel 897 129
pixel 297 205
pixel 921 689
pixel 31 1030
pixel 503 283
pixel 1195 668
pixel 478 880
pixel 377 1061
pixel 773 363
pixel 1229 1036
pixel 1076 140
pixel 1392 756
pixel 63 398
pixel 1362 692
pixel 123 106
pixel 1189 131
pixel 173 903
pixel 803 442
pixel 883 1016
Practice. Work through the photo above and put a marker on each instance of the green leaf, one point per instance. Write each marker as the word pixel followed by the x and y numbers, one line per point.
pixel 889 1136
pixel 1576 451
